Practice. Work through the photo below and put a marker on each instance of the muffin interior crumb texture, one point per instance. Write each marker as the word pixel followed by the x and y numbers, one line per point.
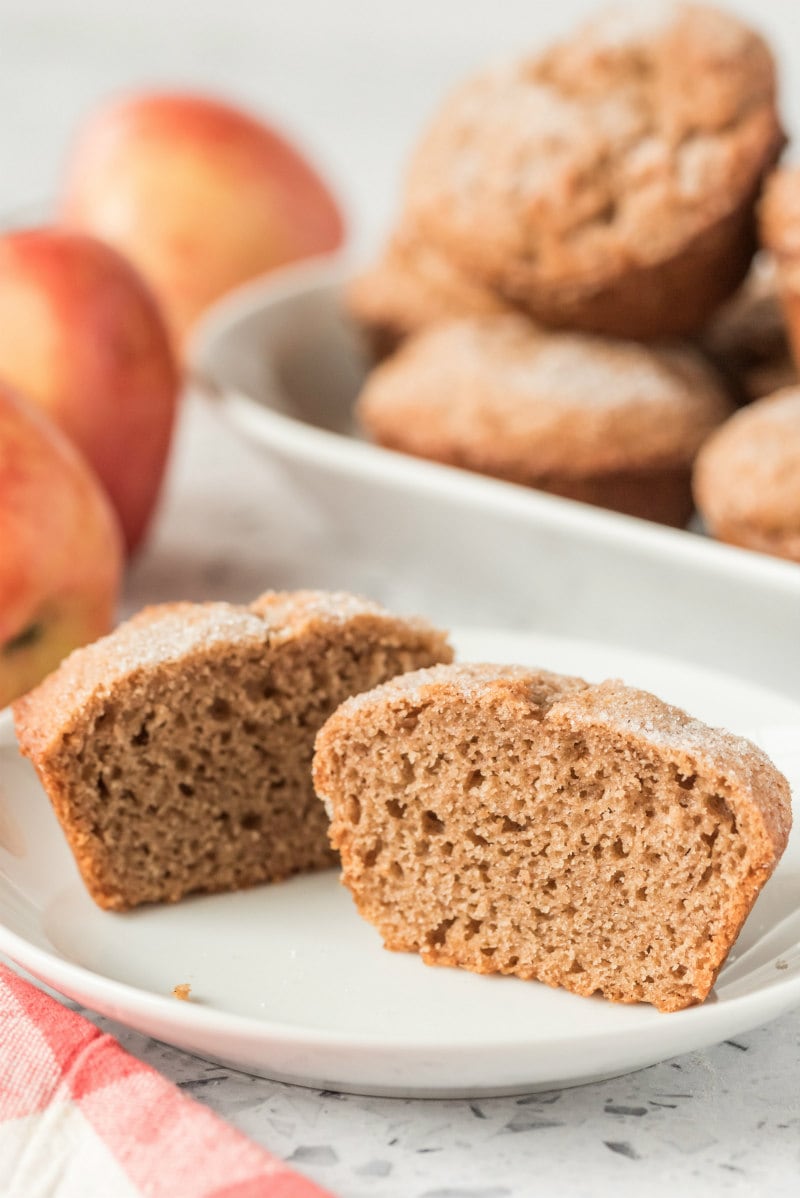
pixel 194 774
pixel 588 837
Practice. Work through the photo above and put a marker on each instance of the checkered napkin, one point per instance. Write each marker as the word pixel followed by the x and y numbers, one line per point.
pixel 80 1118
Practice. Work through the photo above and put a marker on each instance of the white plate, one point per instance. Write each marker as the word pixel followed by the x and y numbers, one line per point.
pixel 288 982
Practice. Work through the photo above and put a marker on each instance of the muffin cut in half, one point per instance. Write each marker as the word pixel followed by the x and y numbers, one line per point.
pixel 518 822
pixel 612 423
pixel 177 751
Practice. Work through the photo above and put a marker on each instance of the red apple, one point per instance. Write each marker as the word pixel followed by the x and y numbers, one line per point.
pixel 199 195
pixel 82 336
pixel 60 549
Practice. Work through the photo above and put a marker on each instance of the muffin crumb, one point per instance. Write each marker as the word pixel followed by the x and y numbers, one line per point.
pixel 513 821
pixel 176 752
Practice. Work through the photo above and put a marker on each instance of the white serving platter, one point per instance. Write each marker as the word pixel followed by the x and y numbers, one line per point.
pixel 284 365
pixel 288 982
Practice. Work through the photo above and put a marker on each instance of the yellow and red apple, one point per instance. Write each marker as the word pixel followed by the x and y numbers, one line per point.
pixel 60 549
pixel 82 336
pixel 199 195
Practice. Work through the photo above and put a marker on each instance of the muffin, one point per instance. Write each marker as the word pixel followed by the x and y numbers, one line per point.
pixel 177 751
pixel 611 423
pixel 513 821
pixel 747 477
pixel 780 233
pixel 412 286
pixel 747 339
pixel 608 184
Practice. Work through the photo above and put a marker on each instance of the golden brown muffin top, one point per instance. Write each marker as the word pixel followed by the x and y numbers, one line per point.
pixel 749 471
pixel 608 151
pixel 560 403
pixel 571 703
pixel 165 634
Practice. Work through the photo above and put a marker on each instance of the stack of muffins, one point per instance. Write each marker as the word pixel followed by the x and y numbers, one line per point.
pixel 556 305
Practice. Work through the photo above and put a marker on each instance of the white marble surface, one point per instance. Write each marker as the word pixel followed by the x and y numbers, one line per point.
pixel 355 79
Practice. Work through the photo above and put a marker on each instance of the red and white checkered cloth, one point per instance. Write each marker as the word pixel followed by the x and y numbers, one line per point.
pixel 81 1118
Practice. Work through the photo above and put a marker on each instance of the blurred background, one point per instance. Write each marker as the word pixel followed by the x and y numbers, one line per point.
pixel 353 80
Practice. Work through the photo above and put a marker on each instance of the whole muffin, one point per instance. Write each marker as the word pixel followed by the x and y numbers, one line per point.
pixel 612 423
pixel 780 233
pixel 609 183
pixel 413 285
pixel 747 477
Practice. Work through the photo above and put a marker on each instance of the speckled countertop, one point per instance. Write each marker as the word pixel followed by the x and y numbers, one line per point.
pixel 725 1121
pixel 356 80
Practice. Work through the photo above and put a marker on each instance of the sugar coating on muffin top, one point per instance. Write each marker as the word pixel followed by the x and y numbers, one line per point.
pixel 611 149
pixel 496 393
